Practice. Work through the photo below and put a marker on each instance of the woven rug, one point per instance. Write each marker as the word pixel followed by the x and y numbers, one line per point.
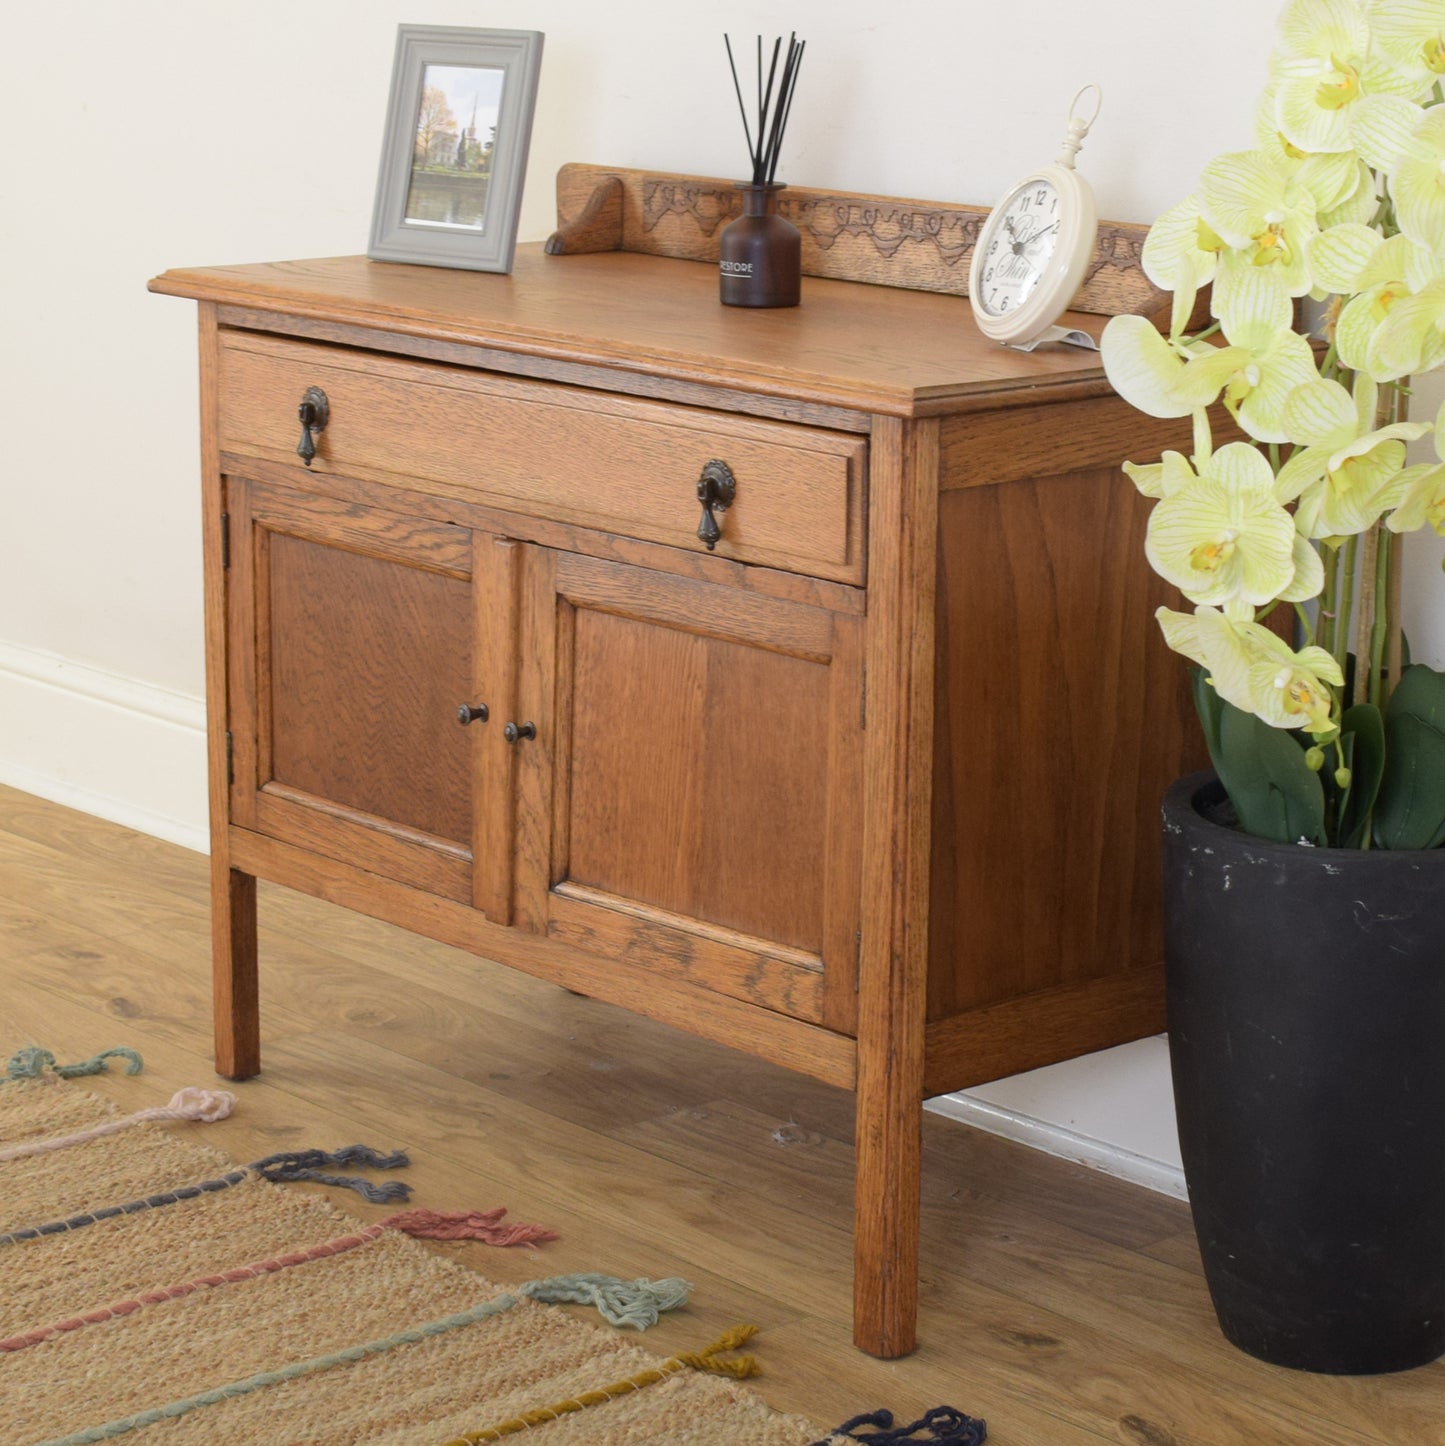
pixel 152 1290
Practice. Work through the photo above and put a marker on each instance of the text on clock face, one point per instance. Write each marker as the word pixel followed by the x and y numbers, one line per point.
pixel 1022 243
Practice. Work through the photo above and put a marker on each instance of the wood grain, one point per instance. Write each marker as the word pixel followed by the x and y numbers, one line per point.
pixel 351 650
pixel 868 349
pixel 463 510
pixel 622 465
pixel 770 1035
pixel 711 732
pixel 1061 717
pixel 1075 1300
pixel 886 763
pixel 893 969
pixel 883 240
pixel 551 368
pixel 234 964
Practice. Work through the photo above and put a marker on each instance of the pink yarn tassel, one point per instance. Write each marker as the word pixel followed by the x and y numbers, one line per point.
pixel 191 1103
pixel 468 1225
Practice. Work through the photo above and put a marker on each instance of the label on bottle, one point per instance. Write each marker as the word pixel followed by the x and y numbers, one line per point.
pixel 735 268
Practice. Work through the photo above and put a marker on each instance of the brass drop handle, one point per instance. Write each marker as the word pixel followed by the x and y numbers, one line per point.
pixel 716 490
pixel 472 713
pixel 515 732
pixel 314 412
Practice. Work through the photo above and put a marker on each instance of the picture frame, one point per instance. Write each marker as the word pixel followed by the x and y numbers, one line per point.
pixel 454 155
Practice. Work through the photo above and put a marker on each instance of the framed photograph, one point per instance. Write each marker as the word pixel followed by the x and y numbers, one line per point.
pixel 455 153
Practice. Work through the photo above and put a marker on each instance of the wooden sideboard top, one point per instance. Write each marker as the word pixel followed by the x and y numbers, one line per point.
pixel 869 348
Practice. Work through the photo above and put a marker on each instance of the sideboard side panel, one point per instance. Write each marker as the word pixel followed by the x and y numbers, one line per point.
pixel 1060 719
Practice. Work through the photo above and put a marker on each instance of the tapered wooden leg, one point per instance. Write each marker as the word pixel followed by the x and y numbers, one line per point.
pixel 233 971
pixel 885 1220
pixel 233 894
pixel 893 957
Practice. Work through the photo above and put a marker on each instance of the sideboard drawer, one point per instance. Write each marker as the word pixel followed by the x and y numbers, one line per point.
pixel 619 464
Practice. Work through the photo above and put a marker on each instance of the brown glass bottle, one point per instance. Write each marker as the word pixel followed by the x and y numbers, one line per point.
pixel 760 254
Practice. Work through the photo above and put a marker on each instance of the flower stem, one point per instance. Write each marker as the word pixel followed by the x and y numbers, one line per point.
pixel 1307 628
pixel 1394 612
pixel 1343 600
pixel 1366 609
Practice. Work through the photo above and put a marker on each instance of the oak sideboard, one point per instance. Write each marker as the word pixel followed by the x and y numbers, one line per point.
pixel 787 676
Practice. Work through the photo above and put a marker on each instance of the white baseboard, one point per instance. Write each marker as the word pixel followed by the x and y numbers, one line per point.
pixel 106 744
pixel 1112 1111
pixel 136 754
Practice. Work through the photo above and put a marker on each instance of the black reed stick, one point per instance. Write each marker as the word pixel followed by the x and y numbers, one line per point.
pixel 775 104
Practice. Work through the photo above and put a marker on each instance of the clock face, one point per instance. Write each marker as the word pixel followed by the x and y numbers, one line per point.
pixel 1018 245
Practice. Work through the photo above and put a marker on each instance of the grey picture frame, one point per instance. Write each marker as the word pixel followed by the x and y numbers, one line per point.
pixel 486 240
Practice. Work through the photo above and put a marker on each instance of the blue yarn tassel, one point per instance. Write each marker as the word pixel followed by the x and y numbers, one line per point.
pixel 307 1165
pixel 945 1427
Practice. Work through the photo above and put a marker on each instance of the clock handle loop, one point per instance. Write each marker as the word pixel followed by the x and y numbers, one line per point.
pixel 1078 125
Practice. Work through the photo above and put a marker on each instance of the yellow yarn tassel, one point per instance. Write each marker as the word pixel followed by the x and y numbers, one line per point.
pixel 704 1360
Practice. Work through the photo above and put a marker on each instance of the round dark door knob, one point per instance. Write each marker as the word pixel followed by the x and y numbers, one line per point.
pixel 472 713
pixel 514 732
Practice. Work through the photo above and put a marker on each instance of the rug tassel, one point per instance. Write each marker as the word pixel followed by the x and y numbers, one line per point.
pixel 32 1063
pixel 468 1225
pixel 635 1303
pixel 704 1360
pixel 307 1165
pixel 191 1103
pixel 945 1426
pixel 740 1367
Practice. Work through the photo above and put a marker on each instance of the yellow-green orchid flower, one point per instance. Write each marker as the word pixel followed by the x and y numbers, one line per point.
pixel 1255 315
pixel 1394 323
pixel 1411 31
pixel 1418 496
pixel 1341 183
pixel 1251 667
pixel 1418 184
pixel 1344 475
pixel 1162 478
pixel 1179 255
pixel 1334 90
pixel 1262 364
pixel 1224 537
pixel 1252 201
pixel 1358 204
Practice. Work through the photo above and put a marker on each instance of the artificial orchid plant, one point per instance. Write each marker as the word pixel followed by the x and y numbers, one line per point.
pixel 1336 740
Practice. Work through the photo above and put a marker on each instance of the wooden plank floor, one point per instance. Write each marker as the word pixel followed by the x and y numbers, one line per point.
pixel 1065 1307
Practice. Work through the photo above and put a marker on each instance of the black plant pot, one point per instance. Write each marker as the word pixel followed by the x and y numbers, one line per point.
pixel 1306 996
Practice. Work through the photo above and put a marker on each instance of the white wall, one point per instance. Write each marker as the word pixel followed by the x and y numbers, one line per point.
pixel 160 133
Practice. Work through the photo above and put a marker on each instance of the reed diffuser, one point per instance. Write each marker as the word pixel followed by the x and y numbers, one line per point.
pixel 760 254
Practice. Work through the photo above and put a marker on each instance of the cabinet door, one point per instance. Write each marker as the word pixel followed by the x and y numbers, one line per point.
pixel 356 636
pixel 690 804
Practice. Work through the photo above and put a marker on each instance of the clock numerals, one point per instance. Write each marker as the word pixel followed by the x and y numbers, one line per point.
pixel 1017 253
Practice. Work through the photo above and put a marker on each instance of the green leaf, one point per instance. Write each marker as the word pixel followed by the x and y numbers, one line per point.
pixel 1362 742
pixel 1275 793
pixel 1210 707
pixel 1410 813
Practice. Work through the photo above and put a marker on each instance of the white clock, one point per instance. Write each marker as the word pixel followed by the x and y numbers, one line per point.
pixel 1034 247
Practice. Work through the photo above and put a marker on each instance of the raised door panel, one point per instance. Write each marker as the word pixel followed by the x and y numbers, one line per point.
pixel 698 775
pixel 354 643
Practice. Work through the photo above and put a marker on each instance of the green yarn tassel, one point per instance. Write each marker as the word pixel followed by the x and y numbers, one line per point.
pixel 634 1303
pixel 634 1300
pixel 32 1062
